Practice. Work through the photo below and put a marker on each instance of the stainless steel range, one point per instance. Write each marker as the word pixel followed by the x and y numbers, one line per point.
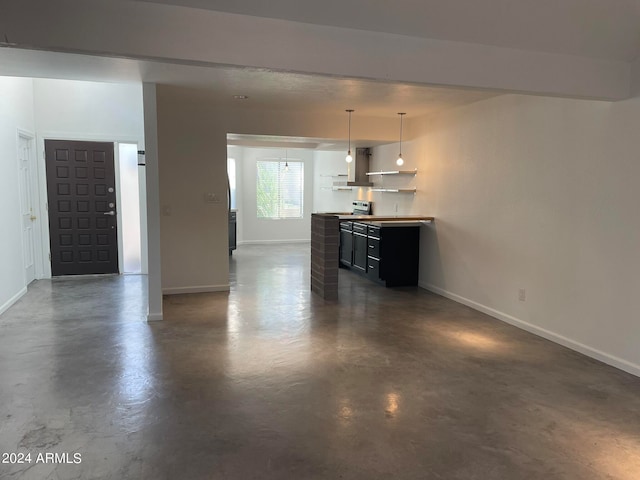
pixel 360 207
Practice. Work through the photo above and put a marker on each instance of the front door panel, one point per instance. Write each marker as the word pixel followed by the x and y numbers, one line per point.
pixel 82 207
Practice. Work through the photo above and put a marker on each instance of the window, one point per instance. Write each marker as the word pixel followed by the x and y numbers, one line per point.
pixel 130 209
pixel 279 188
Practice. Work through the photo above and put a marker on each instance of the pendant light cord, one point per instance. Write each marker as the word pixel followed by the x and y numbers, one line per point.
pixel 349 158
pixel 401 115
pixel 349 131
pixel 350 112
pixel 400 160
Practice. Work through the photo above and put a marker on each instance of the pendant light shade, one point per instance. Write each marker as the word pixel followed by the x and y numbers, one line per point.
pixel 349 158
pixel 400 160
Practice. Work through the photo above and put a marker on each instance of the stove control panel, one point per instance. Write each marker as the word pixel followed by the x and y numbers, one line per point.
pixel 361 207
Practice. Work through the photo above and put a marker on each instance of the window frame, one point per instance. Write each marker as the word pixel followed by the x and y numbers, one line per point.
pixel 294 164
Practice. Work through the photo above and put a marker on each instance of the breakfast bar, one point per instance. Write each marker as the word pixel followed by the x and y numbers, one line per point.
pixel 367 234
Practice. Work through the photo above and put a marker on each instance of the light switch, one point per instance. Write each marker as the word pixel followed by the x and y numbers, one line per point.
pixel 212 198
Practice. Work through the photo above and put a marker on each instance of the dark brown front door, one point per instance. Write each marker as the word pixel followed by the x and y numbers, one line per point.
pixel 82 207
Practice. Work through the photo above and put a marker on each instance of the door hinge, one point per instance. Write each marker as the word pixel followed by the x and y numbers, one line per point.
pixel 49 256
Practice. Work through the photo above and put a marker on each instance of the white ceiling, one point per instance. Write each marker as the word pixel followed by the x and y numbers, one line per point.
pixel 592 28
pixel 265 89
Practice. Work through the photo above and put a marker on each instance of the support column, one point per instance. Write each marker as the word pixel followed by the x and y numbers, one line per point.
pixel 153 200
pixel 325 255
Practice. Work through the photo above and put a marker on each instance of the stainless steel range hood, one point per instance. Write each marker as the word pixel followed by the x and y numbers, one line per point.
pixel 357 173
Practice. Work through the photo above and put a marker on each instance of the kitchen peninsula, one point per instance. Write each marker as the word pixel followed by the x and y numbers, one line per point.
pixel 325 246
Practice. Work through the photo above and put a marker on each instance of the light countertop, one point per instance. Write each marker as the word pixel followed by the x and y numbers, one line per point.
pixel 399 223
pixel 383 220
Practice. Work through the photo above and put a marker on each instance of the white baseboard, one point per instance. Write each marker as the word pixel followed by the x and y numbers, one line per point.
pixel 12 300
pixel 542 332
pixel 196 289
pixel 271 242
pixel 154 317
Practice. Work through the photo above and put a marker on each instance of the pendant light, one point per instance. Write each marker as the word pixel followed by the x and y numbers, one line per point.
pixel 286 160
pixel 349 158
pixel 400 161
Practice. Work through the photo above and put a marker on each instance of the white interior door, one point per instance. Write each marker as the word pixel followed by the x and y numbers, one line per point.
pixel 27 206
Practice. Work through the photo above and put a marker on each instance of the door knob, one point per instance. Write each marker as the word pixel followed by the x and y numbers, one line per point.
pixel 33 218
pixel 111 213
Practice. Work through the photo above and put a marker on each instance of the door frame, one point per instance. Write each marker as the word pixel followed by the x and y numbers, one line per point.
pixel 35 200
pixel 42 181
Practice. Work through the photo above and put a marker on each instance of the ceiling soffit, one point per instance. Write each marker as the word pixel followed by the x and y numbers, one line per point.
pixel 607 29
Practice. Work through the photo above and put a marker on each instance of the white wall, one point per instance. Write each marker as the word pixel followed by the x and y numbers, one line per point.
pixel 89 109
pixel 538 194
pixel 74 110
pixel 261 230
pixel 327 164
pixel 635 84
pixel 384 158
pixel 16 112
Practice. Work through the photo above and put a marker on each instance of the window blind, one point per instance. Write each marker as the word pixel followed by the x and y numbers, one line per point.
pixel 279 189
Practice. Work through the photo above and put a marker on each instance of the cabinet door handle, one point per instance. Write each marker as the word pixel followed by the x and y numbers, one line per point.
pixel 371 267
pixel 372 246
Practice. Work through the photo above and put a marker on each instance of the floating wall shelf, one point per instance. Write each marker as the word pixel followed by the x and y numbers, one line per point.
pixel 339 186
pixel 395 172
pixel 394 190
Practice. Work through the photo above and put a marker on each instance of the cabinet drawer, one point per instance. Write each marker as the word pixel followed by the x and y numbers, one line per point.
pixel 359 228
pixel 373 231
pixel 373 268
pixel 373 247
pixel 347 226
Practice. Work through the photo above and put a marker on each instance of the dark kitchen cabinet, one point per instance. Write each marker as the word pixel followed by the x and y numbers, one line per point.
pixel 399 256
pixel 232 230
pixel 388 255
pixel 346 243
pixel 359 246
pixel 373 245
pixel 373 269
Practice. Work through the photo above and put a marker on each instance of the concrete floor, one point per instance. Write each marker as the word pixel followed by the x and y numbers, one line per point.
pixel 271 382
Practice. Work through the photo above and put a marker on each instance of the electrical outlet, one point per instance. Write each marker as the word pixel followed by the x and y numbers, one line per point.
pixel 522 294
